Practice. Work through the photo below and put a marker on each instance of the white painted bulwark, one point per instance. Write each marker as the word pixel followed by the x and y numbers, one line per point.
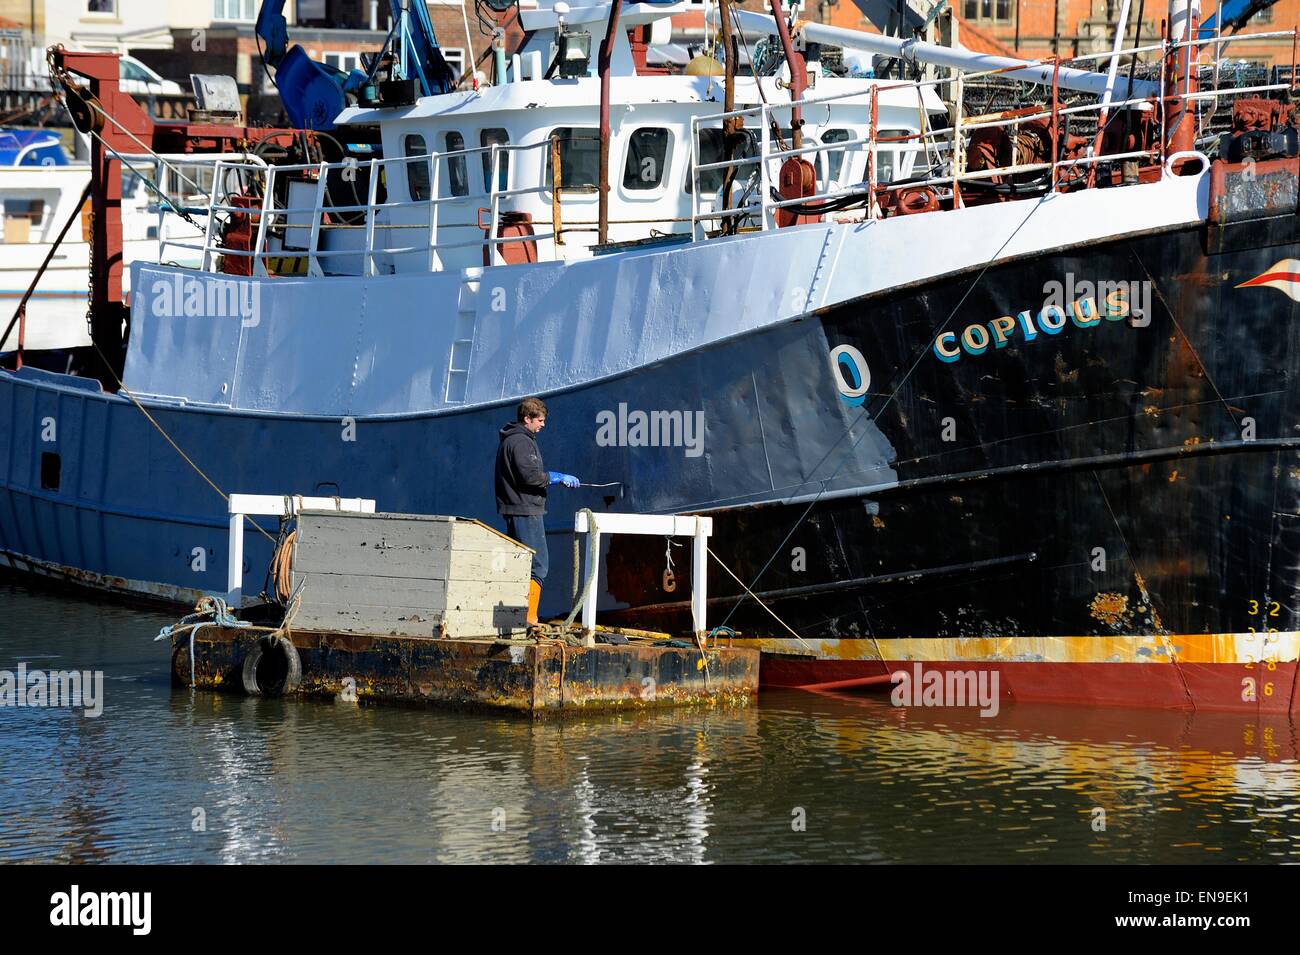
pixel 628 316
pixel 408 575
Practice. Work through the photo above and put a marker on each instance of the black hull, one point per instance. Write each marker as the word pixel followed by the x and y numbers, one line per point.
pixel 1174 447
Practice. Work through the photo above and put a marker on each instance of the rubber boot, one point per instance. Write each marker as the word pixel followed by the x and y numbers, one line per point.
pixel 534 598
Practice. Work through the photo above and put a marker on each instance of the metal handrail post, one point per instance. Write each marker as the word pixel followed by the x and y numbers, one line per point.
pixel 259 246
pixel 368 260
pixel 313 264
pixel 207 230
pixel 764 178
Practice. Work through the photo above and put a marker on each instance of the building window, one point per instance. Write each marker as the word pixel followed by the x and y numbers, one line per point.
pixel 987 10
pixel 1263 16
pixel 495 137
pixel 231 9
pixel 107 7
pixel 579 159
pixel 417 170
pixel 457 170
pixel 455 58
pixel 647 158
pixel 347 62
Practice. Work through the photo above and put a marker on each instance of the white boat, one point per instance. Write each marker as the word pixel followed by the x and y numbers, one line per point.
pixel 40 189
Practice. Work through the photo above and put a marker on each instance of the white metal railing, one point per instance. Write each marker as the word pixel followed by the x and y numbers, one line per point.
pixel 656 525
pixel 178 199
pixel 943 149
pixel 313 218
pixel 952 139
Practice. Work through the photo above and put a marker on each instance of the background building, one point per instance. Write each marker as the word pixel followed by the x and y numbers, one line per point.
pixel 179 37
pixel 1071 27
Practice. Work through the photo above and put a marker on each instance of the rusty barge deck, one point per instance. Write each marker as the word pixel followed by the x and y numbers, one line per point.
pixel 517 676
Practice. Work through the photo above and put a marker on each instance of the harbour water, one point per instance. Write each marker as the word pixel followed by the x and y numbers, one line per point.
pixel 169 775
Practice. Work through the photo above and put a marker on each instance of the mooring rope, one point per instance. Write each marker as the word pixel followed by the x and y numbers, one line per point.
pixel 580 594
pixel 774 614
pixel 210 611
pixel 168 438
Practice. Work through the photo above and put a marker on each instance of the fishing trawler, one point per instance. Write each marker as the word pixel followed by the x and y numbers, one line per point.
pixel 982 392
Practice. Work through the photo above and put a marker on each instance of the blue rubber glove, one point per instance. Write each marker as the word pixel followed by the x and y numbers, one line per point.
pixel 568 480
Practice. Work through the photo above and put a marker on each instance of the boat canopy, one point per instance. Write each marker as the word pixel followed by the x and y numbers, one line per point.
pixel 31 147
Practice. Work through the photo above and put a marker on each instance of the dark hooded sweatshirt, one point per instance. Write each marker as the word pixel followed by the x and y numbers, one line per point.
pixel 521 478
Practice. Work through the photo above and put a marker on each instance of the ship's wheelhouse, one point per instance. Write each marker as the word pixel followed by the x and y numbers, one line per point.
pixel 505 151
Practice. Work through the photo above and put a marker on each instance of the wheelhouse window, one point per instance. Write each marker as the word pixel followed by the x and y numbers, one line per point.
pixel 417 170
pixel 579 159
pixel 457 169
pixel 713 149
pixel 31 210
pixel 891 157
pixel 835 157
pixel 495 137
pixel 647 158
pixel 133 71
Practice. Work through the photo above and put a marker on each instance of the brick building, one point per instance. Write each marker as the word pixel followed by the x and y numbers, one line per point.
pixel 1073 27
pixel 331 31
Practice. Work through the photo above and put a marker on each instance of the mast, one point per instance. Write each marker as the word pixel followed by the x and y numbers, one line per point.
pixel 606 58
pixel 732 125
pixel 1112 71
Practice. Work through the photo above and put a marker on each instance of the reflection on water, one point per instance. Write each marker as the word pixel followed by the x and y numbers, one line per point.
pixel 310 782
